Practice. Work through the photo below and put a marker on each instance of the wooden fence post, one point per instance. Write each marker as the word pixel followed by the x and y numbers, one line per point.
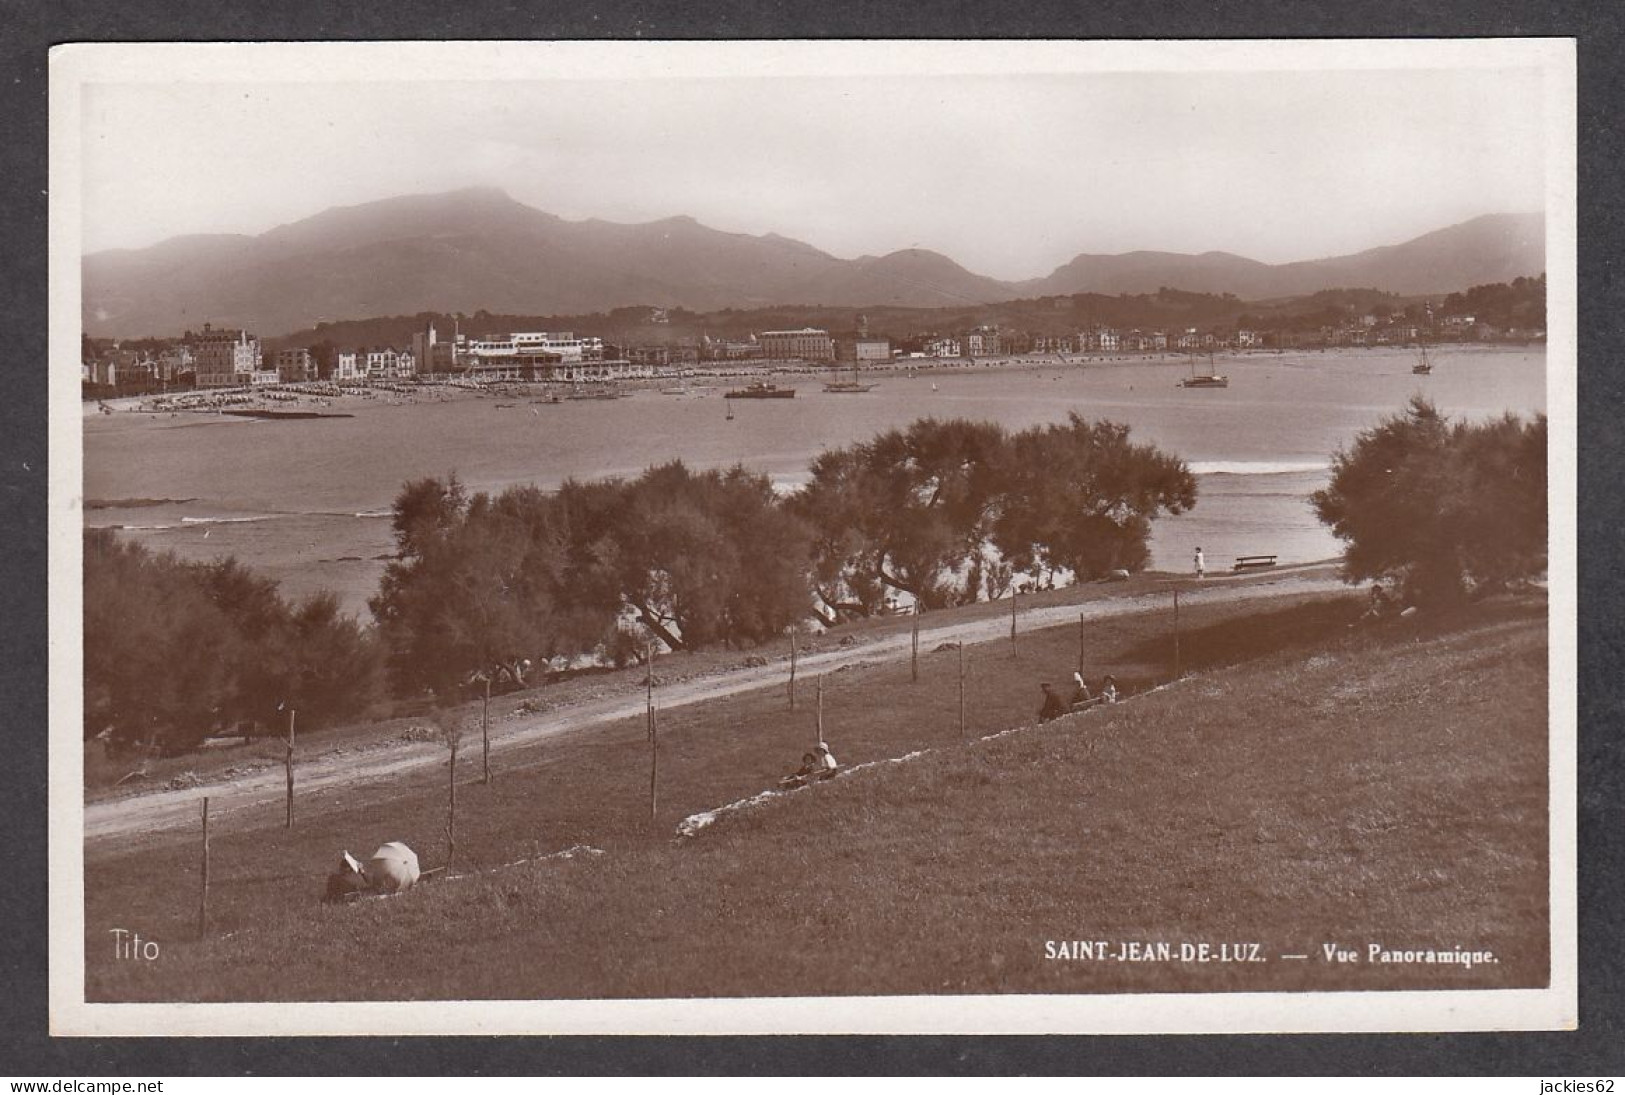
pixel 451 805
pixel 1178 669
pixel 914 663
pixel 485 730
pixel 793 645
pixel 288 763
pixel 1080 643
pixel 203 897
pixel 820 709
pixel 962 687
pixel 654 735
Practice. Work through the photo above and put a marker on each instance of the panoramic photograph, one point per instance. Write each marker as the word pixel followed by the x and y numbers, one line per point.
pixel 888 529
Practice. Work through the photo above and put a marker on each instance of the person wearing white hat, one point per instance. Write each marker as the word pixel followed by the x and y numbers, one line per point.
pixel 1080 692
pixel 348 878
pixel 826 760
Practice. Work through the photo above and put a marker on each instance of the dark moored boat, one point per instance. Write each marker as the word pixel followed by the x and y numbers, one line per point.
pixel 266 413
pixel 1423 366
pixel 760 390
pixel 1209 379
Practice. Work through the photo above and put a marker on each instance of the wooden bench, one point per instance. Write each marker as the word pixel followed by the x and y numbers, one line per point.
pixel 1253 562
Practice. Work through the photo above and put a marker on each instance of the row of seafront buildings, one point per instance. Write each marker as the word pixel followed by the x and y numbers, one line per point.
pixel 235 358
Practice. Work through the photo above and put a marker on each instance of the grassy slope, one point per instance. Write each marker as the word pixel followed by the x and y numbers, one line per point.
pixel 1344 786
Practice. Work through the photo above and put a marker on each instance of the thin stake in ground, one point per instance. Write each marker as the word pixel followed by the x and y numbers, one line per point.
pixel 793 652
pixel 820 691
pixel 914 657
pixel 454 736
pixel 654 733
pixel 485 730
pixel 961 688
pixel 203 895
pixel 288 763
pixel 1178 670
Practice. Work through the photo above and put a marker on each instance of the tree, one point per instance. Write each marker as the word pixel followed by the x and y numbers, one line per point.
pixel 174 650
pixel 156 650
pixel 907 510
pixel 1447 509
pixel 704 557
pixel 948 511
pixel 475 582
pixel 1080 497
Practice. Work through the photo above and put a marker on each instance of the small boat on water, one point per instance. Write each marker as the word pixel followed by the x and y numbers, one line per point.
pixel 838 386
pixel 1423 366
pixel 282 415
pixel 1209 379
pixel 761 389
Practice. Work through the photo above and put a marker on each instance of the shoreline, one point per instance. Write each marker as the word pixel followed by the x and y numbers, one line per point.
pixel 440 388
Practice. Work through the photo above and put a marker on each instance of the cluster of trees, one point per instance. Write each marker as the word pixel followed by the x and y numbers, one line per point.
pixel 1518 303
pixel 948 512
pixel 1447 509
pixel 174 650
pixel 942 512
pixel 696 558
pixel 945 512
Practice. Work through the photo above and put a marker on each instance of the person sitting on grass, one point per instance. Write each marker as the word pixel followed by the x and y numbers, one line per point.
pixel 1108 690
pixel 349 879
pixel 827 764
pixel 1053 707
pixel 1081 696
pixel 809 768
pixel 1380 606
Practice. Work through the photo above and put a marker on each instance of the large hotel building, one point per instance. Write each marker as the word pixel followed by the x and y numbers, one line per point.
pixel 808 344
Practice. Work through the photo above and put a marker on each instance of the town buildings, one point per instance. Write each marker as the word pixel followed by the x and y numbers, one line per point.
pixel 228 358
pixel 295 365
pixel 807 344
pixel 864 351
pixel 983 342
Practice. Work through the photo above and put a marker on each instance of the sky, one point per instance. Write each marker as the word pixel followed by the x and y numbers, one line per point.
pixel 1008 173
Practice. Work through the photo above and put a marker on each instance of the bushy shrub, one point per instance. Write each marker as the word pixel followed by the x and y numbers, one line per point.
pixel 1447 509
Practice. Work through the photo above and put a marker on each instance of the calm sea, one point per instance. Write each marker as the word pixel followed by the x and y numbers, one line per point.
pixel 307 501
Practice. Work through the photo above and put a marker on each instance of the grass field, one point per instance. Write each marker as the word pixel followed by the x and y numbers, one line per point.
pixel 1306 783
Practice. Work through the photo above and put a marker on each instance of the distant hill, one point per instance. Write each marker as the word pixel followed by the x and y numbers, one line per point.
pixel 1493 248
pixel 476 249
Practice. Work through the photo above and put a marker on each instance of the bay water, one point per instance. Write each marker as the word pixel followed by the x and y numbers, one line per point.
pixel 306 501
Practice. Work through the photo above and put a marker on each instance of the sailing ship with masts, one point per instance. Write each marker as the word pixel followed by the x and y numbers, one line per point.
pixel 1210 379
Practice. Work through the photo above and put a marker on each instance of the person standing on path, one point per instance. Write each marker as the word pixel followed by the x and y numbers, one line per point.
pixel 1201 564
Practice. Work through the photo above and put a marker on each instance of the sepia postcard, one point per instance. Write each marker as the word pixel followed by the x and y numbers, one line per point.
pixel 813 537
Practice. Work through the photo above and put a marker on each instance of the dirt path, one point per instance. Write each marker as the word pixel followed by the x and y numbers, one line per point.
pixel 162 810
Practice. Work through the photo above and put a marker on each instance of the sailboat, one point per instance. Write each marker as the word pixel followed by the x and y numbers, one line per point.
pixel 837 386
pixel 1209 379
pixel 1423 366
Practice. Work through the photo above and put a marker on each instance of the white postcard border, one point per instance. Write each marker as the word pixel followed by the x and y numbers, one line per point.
pixel 75 66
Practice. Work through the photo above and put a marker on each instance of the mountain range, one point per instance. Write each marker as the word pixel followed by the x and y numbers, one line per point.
pixel 475 249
